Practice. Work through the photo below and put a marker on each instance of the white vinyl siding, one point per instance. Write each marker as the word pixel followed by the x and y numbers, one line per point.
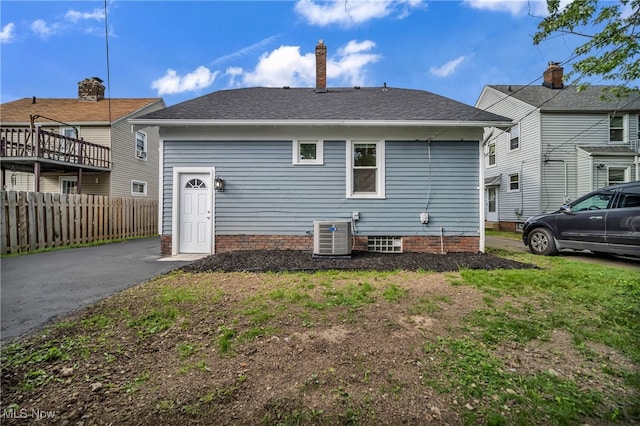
pixel 126 166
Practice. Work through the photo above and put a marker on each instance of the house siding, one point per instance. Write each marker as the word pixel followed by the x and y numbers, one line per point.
pixel 561 133
pixel 266 195
pixel 524 161
pixel 96 135
pixel 126 166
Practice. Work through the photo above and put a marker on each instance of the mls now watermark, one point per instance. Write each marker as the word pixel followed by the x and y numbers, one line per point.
pixel 26 413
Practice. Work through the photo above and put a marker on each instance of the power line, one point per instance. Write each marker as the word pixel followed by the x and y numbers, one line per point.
pixel 106 37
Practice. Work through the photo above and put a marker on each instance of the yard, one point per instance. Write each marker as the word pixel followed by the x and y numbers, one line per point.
pixel 557 344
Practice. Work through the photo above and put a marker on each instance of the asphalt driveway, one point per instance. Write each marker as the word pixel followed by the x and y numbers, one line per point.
pixel 36 288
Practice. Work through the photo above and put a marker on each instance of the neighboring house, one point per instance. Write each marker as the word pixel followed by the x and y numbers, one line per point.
pixel 85 144
pixel 400 169
pixel 565 143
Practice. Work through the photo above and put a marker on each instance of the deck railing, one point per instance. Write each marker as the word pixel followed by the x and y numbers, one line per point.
pixel 41 144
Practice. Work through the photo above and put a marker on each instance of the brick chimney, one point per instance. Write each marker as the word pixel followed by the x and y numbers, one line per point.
pixel 91 89
pixel 321 67
pixel 552 77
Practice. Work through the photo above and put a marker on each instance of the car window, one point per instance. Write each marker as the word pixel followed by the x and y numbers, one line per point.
pixel 630 197
pixel 595 202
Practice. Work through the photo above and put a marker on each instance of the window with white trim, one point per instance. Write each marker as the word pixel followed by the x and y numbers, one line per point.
pixel 68 185
pixel 141 145
pixel 491 156
pixel 618 175
pixel 365 169
pixel 514 182
pixel 514 137
pixel 138 187
pixel 617 129
pixel 308 152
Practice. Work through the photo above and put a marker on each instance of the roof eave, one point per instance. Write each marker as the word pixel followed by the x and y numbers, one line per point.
pixel 347 123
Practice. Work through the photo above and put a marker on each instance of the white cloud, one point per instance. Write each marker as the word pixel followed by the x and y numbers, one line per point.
pixel 7 33
pixel 172 83
pixel 286 66
pixel 514 7
pixel 448 68
pixel 42 29
pixel 352 12
pixel 75 16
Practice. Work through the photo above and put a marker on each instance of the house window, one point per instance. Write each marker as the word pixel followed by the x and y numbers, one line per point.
pixel 138 187
pixel 514 182
pixel 69 132
pixel 365 169
pixel 68 185
pixel 514 137
pixel 618 175
pixel 68 148
pixel 492 154
pixel 616 129
pixel 385 244
pixel 308 152
pixel 141 145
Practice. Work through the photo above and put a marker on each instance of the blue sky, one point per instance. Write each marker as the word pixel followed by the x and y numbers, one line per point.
pixel 179 50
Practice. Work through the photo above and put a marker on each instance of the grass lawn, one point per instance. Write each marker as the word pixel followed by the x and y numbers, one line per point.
pixel 555 345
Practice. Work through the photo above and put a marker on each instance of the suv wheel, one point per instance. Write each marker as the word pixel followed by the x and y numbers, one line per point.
pixel 541 242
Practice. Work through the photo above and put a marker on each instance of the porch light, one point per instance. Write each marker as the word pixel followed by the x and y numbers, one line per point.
pixel 219 184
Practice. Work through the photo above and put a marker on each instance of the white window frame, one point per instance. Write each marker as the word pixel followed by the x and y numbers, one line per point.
pixel 489 156
pixel 318 161
pixel 625 126
pixel 509 182
pixel 143 156
pixel 627 174
pixel 139 182
pixel 515 129
pixel 69 132
pixel 380 169
pixel 63 179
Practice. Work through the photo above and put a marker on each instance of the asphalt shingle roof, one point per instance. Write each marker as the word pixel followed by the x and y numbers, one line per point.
pixel 569 98
pixel 367 103
pixel 72 111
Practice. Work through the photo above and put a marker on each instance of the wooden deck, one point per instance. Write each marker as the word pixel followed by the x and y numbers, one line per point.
pixel 29 145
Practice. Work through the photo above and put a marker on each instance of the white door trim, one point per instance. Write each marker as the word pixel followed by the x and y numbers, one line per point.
pixel 175 210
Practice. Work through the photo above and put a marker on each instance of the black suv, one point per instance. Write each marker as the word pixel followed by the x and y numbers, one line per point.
pixel 603 221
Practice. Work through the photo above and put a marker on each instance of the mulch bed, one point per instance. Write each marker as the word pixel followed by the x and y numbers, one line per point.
pixel 291 260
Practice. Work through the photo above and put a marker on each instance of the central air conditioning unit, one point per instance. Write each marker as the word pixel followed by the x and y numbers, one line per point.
pixel 331 238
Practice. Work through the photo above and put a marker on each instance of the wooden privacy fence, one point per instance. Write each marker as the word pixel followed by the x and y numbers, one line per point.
pixel 38 220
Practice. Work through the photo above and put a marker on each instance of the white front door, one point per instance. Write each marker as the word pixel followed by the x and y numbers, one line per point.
pixel 195 213
pixel 492 204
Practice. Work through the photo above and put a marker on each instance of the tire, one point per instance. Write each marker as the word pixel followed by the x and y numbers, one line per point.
pixel 541 242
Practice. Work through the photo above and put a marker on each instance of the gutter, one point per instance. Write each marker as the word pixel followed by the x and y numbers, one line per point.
pixel 350 123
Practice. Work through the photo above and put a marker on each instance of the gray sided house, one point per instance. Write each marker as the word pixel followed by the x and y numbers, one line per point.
pixel 564 143
pixel 265 168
